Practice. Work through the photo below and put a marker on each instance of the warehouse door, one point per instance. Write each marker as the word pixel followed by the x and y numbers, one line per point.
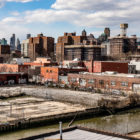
pixel 136 87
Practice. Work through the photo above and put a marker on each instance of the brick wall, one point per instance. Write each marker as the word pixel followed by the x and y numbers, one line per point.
pixel 103 82
pixel 112 66
pixel 50 74
pixel 120 46
pixel 88 65
pixel 103 66
pixel 41 46
pixel 13 68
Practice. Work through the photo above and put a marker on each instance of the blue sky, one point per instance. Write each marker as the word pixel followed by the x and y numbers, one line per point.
pixel 54 17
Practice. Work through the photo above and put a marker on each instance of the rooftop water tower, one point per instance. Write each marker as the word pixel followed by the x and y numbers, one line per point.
pixel 123 27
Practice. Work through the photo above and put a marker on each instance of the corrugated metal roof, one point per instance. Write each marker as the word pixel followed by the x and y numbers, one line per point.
pixel 78 134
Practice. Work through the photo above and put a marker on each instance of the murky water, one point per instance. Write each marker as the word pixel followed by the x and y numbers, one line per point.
pixel 121 123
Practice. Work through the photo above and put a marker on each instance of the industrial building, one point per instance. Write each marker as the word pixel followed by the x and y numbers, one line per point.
pixel 13 78
pixel 103 66
pixel 58 74
pixel 107 80
pixel 13 68
pixel 122 45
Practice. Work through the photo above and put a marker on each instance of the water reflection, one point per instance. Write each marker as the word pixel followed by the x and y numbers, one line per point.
pixel 121 123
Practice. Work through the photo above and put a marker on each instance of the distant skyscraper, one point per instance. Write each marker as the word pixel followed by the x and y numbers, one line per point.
pixel 18 44
pixel 3 41
pixel 12 42
pixel 28 36
pixel 24 48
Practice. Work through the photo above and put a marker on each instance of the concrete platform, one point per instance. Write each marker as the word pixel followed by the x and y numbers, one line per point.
pixel 30 107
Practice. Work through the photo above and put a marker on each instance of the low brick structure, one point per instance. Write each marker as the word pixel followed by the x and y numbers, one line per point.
pixel 12 78
pixel 13 68
pixel 103 66
pixel 106 81
pixel 53 73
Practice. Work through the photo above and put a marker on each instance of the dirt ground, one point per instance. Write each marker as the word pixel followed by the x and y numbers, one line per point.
pixel 31 107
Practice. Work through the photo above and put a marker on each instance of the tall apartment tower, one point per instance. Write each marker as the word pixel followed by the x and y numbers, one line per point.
pixel 12 42
pixel 83 47
pixel 41 46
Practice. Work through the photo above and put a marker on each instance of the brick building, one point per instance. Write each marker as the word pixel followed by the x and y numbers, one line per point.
pixel 106 81
pixel 41 46
pixel 122 45
pixel 58 74
pixel 41 61
pixel 84 47
pixel 83 52
pixel 13 68
pixel 13 78
pixel 103 66
pixel 4 52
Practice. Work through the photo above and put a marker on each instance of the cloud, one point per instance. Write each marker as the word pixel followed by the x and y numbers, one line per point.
pixel 88 4
pixel 85 13
pixel 88 13
pixel 2 2
pixel 97 18
pixel 23 1
pixel 15 13
pixel 7 30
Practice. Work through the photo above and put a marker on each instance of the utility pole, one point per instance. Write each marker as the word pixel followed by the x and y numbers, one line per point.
pixel 60 128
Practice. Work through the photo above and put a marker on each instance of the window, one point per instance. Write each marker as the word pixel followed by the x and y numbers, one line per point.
pixel 47 71
pixel 50 71
pixel 124 84
pixel 113 83
pixel 101 82
pixel 82 82
pixel 73 80
pixel 91 81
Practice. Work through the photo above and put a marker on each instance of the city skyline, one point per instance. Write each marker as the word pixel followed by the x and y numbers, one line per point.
pixel 53 17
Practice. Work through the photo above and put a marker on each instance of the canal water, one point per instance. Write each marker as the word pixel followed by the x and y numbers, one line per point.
pixel 124 122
